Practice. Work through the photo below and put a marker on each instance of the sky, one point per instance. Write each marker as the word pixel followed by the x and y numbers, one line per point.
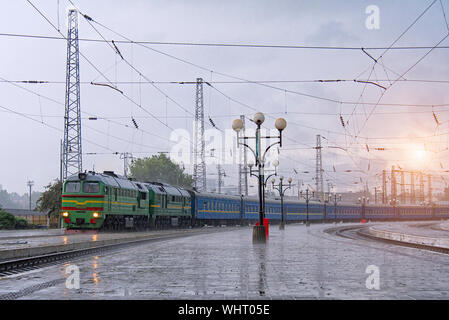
pixel 32 115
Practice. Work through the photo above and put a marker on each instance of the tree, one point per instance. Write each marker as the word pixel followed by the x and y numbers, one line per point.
pixel 159 168
pixel 51 199
pixel 7 220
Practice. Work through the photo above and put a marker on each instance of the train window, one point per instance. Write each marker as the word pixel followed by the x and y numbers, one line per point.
pixel 173 198
pixel 91 187
pixel 72 187
pixel 143 195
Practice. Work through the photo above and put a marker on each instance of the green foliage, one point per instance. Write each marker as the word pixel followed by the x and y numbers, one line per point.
pixel 7 220
pixel 21 223
pixel 51 199
pixel 160 169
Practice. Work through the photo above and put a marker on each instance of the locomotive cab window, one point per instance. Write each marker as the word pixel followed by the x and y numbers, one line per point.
pixel 72 187
pixel 91 187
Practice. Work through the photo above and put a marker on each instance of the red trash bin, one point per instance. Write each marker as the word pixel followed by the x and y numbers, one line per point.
pixel 266 224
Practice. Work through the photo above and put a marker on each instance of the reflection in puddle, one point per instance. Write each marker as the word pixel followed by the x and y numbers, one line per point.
pixel 94 237
pixel 64 240
pixel 96 280
pixel 261 251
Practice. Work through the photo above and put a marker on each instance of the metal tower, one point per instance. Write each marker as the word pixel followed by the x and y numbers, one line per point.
pixel 126 156
pixel 394 192
pixel 199 154
pixel 384 187
pixel 243 167
pixel 72 151
pixel 412 188
pixel 319 169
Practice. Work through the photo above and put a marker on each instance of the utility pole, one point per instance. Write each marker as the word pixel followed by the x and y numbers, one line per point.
pixel 243 165
pixel 221 173
pixel 199 153
pixel 30 184
pixel 319 169
pixel 72 150
pixel 429 177
pixel 384 187
pixel 412 188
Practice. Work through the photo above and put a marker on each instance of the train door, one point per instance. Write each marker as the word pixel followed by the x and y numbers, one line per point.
pixel 108 195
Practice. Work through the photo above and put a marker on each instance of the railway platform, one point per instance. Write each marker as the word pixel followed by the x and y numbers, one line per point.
pixel 431 234
pixel 25 244
pixel 297 263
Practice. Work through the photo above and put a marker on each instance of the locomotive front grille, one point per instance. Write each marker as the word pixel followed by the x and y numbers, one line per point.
pixel 79 221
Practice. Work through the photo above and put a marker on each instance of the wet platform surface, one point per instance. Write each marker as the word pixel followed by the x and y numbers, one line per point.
pixel 298 263
pixel 39 238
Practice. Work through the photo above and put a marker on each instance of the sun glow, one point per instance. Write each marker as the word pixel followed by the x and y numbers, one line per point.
pixel 418 155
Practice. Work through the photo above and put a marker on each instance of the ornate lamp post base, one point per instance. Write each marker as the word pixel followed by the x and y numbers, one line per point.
pixel 282 225
pixel 259 235
pixel 308 224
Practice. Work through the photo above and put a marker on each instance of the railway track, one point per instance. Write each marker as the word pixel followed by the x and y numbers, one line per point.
pixel 361 233
pixel 32 263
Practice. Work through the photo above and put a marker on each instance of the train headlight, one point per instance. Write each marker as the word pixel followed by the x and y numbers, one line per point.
pixel 96 215
pixel 65 214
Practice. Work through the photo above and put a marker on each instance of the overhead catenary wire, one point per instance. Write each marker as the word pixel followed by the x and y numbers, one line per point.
pixel 237 45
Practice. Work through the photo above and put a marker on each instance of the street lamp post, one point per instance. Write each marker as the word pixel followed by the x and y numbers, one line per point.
pixel 335 205
pixel 282 193
pixel 275 164
pixel 280 124
pixel 363 202
pixel 307 196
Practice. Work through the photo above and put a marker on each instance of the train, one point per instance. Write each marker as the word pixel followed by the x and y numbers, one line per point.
pixel 108 201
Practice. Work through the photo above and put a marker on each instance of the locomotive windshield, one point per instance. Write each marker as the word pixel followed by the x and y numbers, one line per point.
pixel 91 187
pixel 72 187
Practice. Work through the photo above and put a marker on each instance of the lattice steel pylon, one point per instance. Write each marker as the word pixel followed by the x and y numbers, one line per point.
pixel 72 150
pixel 199 152
pixel 243 166
pixel 319 170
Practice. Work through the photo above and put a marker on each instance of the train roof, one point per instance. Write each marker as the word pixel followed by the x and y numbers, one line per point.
pixel 108 178
pixel 216 195
pixel 163 188
pixel 112 179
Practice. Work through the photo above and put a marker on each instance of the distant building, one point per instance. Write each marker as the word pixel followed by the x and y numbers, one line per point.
pixel 32 217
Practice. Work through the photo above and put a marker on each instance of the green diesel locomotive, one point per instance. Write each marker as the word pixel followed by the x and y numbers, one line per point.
pixel 111 202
